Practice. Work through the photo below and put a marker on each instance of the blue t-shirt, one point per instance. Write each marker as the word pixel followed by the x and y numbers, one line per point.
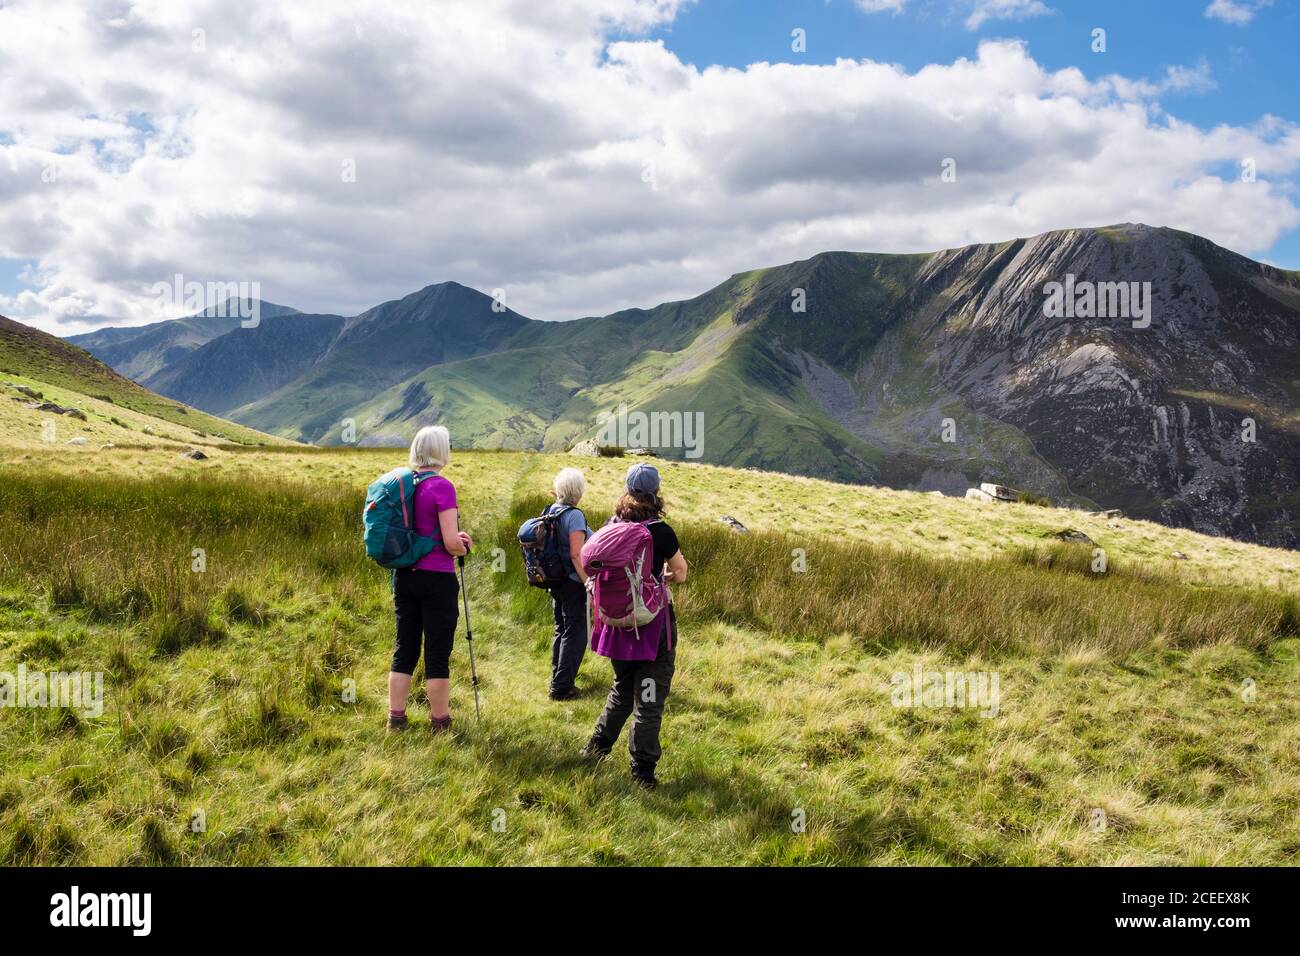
pixel 571 521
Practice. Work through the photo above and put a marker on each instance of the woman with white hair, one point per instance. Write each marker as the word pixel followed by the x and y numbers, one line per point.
pixel 569 597
pixel 425 595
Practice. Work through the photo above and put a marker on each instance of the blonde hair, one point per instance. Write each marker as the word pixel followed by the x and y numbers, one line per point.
pixel 431 448
pixel 569 486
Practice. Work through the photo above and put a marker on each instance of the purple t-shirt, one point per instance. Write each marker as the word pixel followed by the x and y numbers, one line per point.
pixel 432 495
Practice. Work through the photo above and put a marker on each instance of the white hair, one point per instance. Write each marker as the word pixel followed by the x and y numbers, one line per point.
pixel 431 447
pixel 569 486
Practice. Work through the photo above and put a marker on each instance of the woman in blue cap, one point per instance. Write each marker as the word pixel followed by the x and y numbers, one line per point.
pixel 641 686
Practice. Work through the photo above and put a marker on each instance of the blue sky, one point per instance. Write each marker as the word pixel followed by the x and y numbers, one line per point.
pixel 1254 65
pixel 10 269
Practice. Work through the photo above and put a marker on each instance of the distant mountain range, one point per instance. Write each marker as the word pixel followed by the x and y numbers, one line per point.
pixel 930 372
pixel 143 350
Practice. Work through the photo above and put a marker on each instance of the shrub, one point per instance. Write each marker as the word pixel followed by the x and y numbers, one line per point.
pixel 1029 498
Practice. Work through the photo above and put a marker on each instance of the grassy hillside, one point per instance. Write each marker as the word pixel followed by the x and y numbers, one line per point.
pixel 116 409
pixel 1121 693
pixel 506 400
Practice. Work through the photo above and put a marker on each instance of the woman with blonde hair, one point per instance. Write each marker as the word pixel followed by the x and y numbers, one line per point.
pixel 569 597
pixel 425 595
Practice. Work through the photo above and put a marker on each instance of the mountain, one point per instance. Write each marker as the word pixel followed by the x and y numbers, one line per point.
pixel 141 351
pixel 379 348
pixel 241 367
pixel 1191 421
pixel 930 372
pixel 45 379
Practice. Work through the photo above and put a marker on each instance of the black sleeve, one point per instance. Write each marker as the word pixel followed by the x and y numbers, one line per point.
pixel 665 542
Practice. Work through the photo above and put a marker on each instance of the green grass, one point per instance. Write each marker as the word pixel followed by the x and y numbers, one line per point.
pixel 31 357
pixel 225 693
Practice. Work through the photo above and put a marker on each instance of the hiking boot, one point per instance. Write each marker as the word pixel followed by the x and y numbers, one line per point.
pixel 645 780
pixel 438 725
pixel 396 722
pixel 595 750
pixel 571 694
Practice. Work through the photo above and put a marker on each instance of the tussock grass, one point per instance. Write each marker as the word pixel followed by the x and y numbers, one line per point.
pixel 1032 602
pixel 226 694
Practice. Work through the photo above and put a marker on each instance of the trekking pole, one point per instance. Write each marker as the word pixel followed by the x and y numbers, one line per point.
pixel 469 637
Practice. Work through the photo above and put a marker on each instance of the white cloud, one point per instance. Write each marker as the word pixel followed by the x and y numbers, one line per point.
pixel 881 6
pixel 1239 12
pixel 1177 79
pixel 986 10
pixel 511 144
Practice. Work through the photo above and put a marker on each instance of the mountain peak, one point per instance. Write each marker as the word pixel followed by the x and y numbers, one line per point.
pixel 236 307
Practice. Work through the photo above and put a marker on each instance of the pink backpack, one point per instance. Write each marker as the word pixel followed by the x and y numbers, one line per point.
pixel 623 589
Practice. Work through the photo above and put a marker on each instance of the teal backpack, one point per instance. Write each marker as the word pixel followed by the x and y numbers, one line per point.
pixel 389 519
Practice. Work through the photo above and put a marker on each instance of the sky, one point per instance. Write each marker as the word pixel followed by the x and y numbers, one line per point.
pixel 576 157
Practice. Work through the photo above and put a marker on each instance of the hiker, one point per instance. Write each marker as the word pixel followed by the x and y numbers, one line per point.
pixel 644 657
pixel 426 594
pixel 569 596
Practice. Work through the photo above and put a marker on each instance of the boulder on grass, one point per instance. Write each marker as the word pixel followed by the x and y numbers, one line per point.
pixel 75 441
pixel 587 449
pixel 1070 534
pixel 56 409
pixel 999 492
pixel 194 454
pixel 979 494
pixel 733 524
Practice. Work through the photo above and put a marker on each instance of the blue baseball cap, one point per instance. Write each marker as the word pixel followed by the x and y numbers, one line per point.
pixel 643 478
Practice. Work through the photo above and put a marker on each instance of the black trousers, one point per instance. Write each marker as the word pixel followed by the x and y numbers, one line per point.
pixel 640 691
pixel 427 604
pixel 569 644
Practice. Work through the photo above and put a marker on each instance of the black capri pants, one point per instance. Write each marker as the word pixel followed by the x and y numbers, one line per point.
pixel 426 603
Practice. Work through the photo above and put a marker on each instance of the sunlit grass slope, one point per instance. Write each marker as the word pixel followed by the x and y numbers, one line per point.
pixel 1162 697
pixel 116 408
